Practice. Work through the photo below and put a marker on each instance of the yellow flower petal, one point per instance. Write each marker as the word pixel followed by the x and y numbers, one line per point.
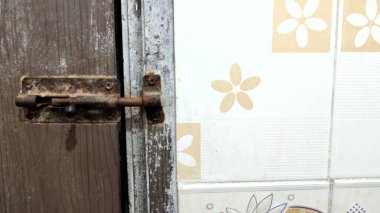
pixel 235 74
pixel 244 100
pixel 250 83
pixel 227 102
pixel 221 86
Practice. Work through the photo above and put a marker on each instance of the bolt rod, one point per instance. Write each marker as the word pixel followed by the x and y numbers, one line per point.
pixel 96 101
pixel 138 101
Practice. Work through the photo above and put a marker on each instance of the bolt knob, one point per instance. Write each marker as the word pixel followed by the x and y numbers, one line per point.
pixel 71 110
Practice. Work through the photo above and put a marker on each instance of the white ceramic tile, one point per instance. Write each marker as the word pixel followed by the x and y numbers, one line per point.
pixel 271 197
pixel 286 134
pixel 356 124
pixel 272 149
pixel 358 196
pixel 356 111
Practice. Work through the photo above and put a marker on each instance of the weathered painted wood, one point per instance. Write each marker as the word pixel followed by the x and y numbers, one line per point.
pixel 135 124
pixel 62 167
pixel 149 46
pixel 158 22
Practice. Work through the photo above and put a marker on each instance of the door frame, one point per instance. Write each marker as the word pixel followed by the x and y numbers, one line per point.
pixel 148 45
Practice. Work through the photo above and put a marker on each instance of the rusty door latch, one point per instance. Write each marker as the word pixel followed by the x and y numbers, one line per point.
pixel 84 99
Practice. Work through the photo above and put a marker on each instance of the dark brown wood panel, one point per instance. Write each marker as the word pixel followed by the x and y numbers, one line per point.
pixel 56 167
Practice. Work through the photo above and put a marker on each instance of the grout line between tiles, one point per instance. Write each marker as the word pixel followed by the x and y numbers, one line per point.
pixel 331 181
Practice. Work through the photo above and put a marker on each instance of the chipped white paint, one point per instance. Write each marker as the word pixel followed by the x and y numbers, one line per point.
pixel 135 135
pixel 148 46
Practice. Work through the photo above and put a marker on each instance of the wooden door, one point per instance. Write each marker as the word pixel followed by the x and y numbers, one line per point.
pixel 57 167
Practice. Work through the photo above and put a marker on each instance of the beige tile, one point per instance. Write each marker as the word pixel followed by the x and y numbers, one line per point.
pixel 188 151
pixel 302 25
pixel 359 27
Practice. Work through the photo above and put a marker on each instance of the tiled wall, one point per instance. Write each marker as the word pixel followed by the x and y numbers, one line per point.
pixel 282 95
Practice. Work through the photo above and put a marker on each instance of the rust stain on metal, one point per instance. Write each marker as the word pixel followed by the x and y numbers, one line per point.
pixel 130 101
pixel 85 99
pixel 45 99
pixel 152 98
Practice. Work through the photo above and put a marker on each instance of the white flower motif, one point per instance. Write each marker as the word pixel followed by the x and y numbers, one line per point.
pixel 264 206
pixel 302 21
pixel 369 23
pixel 182 157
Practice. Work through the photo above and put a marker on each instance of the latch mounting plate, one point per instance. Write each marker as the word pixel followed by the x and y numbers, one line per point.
pixel 85 99
pixel 46 89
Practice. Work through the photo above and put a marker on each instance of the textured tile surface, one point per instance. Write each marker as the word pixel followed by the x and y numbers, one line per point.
pixel 265 111
pixel 301 197
pixel 356 121
pixel 360 196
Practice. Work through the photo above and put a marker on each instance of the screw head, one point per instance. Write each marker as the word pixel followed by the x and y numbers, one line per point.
pixel 152 80
pixel 28 85
pixel 71 110
pixel 109 86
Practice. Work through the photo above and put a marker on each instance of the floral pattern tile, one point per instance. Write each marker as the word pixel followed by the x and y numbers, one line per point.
pixel 188 151
pixel 236 89
pixel 302 25
pixel 243 200
pixel 361 26
pixel 264 206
